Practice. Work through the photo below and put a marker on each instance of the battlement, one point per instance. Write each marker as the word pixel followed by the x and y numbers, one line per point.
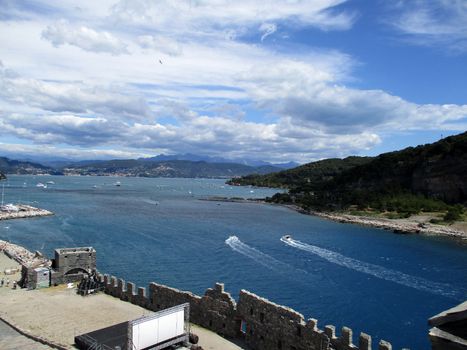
pixel 78 250
pixel 262 324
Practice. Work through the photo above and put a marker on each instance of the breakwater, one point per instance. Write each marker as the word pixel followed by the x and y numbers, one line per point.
pixel 21 211
pixel 262 324
pixel 390 224
pixel 23 256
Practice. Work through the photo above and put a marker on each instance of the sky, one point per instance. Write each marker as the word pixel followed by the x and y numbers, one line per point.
pixel 271 80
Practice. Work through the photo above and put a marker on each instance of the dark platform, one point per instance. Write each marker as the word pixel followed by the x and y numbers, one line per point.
pixel 112 337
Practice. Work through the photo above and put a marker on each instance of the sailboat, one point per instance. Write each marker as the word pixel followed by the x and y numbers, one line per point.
pixel 7 207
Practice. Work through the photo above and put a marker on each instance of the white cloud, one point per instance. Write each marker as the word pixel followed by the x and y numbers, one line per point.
pixel 216 93
pixel 45 151
pixel 313 99
pixel 83 37
pixel 160 44
pixel 207 16
pixel 433 22
pixel 267 29
pixel 61 129
pixel 72 97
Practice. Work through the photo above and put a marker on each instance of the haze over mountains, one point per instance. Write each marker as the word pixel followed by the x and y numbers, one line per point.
pixel 180 165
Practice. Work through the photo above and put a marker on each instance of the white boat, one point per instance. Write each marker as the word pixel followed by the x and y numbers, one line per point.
pixel 40 184
pixel 286 238
pixel 9 208
pixel 50 183
pixel 117 183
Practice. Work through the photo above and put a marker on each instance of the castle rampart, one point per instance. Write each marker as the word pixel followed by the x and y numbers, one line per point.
pixel 262 324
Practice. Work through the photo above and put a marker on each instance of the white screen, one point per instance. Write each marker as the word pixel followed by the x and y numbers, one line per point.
pixel 157 330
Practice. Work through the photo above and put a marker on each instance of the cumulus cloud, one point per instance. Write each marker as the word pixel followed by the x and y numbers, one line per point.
pixel 61 128
pixel 161 44
pixel 216 93
pixel 433 22
pixel 313 98
pixel 72 97
pixel 208 16
pixel 83 37
pixel 14 150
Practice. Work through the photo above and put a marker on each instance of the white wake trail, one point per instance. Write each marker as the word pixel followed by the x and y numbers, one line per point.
pixel 377 271
pixel 261 258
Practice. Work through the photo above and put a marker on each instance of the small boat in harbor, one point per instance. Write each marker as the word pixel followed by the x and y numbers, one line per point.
pixel 286 238
pixel 50 183
pixel 40 184
pixel 118 184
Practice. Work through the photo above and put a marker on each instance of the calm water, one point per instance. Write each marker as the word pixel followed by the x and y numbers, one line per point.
pixel 147 230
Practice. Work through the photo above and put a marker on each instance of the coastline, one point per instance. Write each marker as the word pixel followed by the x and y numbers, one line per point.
pixel 412 225
pixel 417 224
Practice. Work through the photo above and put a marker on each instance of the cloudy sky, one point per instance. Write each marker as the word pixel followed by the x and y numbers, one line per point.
pixel 275 80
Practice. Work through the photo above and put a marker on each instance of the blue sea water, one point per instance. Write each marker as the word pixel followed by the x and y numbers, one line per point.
pixel 158 230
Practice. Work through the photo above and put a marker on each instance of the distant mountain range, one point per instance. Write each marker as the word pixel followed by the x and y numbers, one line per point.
pixel 207 159
pixel 160 166
pixel 413 179
pixel 61 162
pixel 170 168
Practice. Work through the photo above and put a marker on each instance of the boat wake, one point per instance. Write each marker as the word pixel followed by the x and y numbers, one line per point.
pixel 377 271
pixel 261 258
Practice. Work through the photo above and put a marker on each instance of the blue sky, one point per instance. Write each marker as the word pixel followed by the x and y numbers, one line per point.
pixel 271 80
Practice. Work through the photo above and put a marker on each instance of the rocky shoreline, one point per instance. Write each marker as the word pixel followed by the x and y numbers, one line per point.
pixel 401 226
pixel 23 211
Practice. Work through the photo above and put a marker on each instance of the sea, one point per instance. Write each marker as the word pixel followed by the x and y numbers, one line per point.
pixel 162 230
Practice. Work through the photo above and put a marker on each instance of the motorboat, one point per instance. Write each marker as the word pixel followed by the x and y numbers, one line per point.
pixel 286 238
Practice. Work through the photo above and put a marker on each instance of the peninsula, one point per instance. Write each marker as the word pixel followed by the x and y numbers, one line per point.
pixel 426 186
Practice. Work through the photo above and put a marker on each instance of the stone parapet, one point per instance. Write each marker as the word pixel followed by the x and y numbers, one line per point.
pixel 262 324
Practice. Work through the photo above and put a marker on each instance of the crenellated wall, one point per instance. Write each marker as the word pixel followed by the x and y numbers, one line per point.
pixel 262 324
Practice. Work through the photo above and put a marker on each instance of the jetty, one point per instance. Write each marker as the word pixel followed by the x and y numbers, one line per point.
pixel 20 211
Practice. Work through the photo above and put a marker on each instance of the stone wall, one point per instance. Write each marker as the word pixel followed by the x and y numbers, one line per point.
pixel 74 260
pixel 262 324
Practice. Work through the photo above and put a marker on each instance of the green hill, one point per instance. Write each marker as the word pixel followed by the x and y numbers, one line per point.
pixel 10 166
pixel 427 177
pixel 305 177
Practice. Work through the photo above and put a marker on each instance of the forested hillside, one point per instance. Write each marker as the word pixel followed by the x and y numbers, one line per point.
pixel 426 177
